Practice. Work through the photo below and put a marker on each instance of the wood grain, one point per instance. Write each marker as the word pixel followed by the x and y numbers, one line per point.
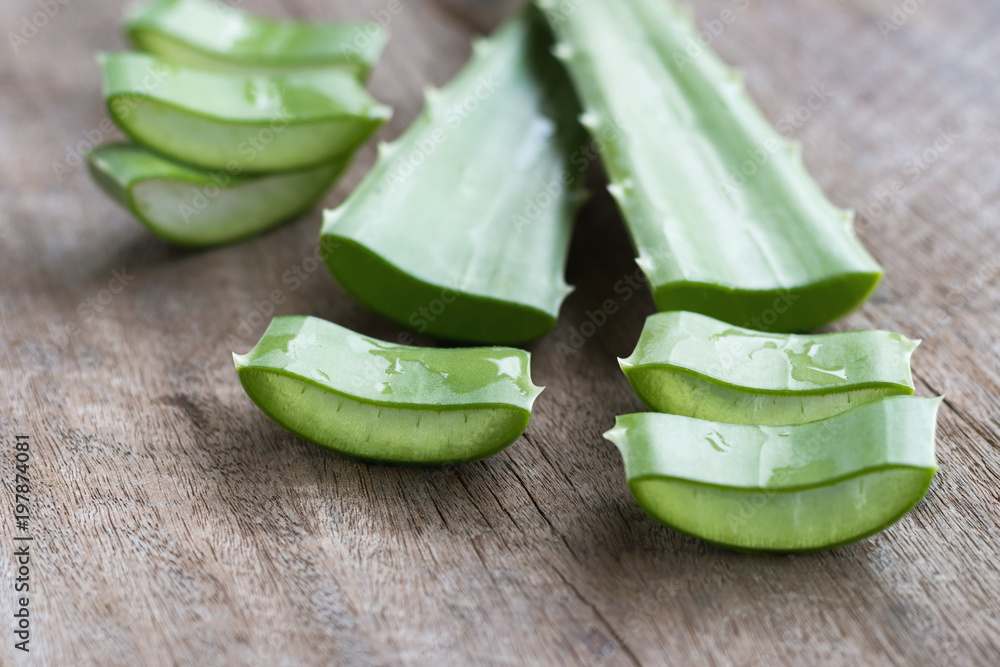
pixel 175 524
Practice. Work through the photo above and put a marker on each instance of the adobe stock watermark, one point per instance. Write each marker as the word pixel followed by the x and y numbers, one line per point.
pixel 248 150
pixel 293 278
pixel 783 302
pixel 552 190
pixel 624 289
pixel 91 308
pixel 385 16
pixel 788 124
pixel 710 30
pixel 32 24
pixel 957 299
pixel 428 313
pixel 122 106
pixel 912 171
pixel 794 119
pixel 454 115
pixel 900 16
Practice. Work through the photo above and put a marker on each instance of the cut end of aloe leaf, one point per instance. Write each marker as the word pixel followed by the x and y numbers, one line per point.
pixel 437 310
pixel 689 364
pixel 790 309
pixel 383 433
pixel 207 35
pixel 196 208
pixel 796 488
pixel 381 402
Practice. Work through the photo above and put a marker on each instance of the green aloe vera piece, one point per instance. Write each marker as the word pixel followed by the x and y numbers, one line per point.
pixel 692 365
pixel 248 123
pixel 212 35
pixel 378 401
pixel 803 487
pixel 192 207
pixel 462 228
pixel 679 134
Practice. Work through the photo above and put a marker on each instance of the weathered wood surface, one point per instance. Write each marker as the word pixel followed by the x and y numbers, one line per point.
pixel 175 524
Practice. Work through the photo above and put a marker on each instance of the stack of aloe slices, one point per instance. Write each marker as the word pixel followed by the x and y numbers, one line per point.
pixel 237 123
pixel 764 441
pixel 774 442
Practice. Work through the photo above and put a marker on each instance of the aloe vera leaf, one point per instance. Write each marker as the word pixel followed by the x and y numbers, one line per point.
pixel 462 228
pixel 249 123
pixel 692 365
pixel 771 253
pixel 801 487
pixel 197 208
pixel 377 401
pixel 211 35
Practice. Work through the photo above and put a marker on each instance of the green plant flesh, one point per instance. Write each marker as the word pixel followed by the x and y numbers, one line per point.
pixel 724 216
pixel 693 365
pixel 377 401
pixel 210 35
pixel 191 207
pixel 462 227
pixel 239 123
pixel 793 488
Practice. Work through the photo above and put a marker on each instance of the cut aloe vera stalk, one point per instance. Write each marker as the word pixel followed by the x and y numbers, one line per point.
pixel 692 365
pixel 250 123
pixel 211 35
pixel 377 401
pixel 198 208
pixel 724 217
pixel 462 228
pixel 803 487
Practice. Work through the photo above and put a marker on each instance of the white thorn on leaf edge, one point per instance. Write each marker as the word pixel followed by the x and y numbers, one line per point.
pixel 589 120
pixel 385 149
pixel 482 46
pixel 562 51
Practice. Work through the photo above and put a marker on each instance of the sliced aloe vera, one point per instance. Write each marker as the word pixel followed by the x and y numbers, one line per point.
pixel 803 487
pixel 378 401
pixel 462 228
pixel 723 214
pixel 211 35
pixel 191 207
pixel 692 365
pixel 247 123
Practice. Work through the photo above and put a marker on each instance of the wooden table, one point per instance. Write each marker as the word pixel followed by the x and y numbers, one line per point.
pixel 173 523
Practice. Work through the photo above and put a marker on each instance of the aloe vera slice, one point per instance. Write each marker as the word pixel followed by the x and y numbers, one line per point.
pixel 197 208
pixel 724 216
pixel 692 365
pixel 378 401
pixel 210 35
pixel 802 487
pixel 462 228
pixel 250 123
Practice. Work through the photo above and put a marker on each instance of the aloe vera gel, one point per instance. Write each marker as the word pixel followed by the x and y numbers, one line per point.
pixel 802 487
pixel 377 401
pixel 693 365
